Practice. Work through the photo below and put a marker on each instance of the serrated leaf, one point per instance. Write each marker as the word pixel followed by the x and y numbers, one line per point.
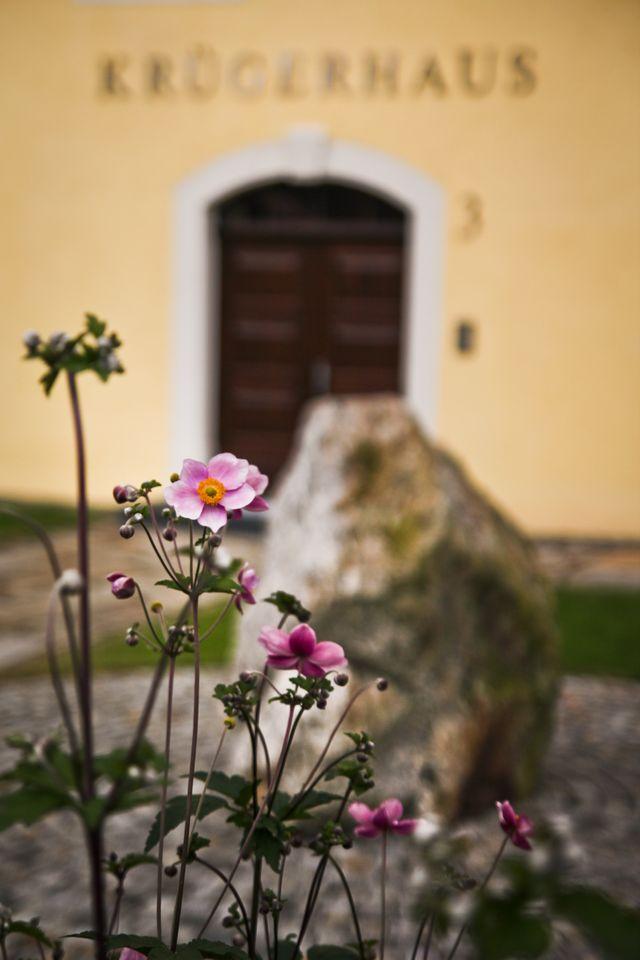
pixel 28 930
pixel 331 952
pixel 182 585
pixel 175 814
pixel 95 326
pixel 237 788
pixel 29 804
pixel 210 583
pixel 267 846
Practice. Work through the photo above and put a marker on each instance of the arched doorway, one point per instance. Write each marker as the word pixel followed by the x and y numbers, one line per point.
pixel 310 293
pixel 304 155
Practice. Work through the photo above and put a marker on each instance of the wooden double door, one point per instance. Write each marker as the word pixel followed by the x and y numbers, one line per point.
pixel 311 304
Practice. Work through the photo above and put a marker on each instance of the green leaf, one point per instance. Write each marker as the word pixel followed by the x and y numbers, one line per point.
pixel 132 860
pixel 266 845
pixel 287 603
pixel 330 952
pixel 501 931
pixel 237 788
pixel 119 940
pixel 287 950
pixel 29 804
pixel 210 583
pixel 94 326
pixel 315 798
pixel 182 585
pixel 217 950
pixel 175 813
pixel 614 929
pixel 48 379
pixel 28 930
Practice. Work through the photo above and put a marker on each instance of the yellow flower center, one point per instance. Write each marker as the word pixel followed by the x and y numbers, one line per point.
pixel 211 491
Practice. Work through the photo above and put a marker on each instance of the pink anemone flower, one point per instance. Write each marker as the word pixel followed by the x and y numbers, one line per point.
pixel 299 650
pixel 516 826
pixel 128 953
pixel 205 492
pixel 387 818
pixel 248 580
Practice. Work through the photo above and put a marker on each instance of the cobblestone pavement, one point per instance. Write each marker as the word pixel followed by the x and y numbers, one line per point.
pixel 591 785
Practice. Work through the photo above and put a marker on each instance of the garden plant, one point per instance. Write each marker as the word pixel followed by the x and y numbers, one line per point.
pixel 296 673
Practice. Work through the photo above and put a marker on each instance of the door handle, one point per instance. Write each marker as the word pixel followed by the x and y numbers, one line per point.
pixel 320 377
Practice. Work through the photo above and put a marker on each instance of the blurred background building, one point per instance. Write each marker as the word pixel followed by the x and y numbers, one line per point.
pixel 272 199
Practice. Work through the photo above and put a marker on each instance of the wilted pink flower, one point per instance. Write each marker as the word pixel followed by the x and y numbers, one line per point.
pixel 248 580
pixel 516 826
pixel 205 492
pixel 299 650
pixel 122 586
pixel 384 819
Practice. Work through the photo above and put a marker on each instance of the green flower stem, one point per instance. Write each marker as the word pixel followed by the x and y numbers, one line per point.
pixel 167 569
pixel 334 731
pixel 383 896
pixel 352 905
pixel 301 796
pixel 157 638
pixel 216 623
pixel 212 767
pixel 116 906
pixel 93 833
pixel 159 538
pixel 54 670
pixel 482 886
pixel 229 886
pixel 245 845
pixel 163 799
pixel 192 769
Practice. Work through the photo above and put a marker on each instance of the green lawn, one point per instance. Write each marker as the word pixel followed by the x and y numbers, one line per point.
pixel 52 516
pixel 112 653
pixel 599 630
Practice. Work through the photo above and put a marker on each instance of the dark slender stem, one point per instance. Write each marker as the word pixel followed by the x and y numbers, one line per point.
pixel 229 886
pixel 116 906
pixel 3 949
pixel 216 623
pixel 159 538
pixel 316 883
pixel 421 926
pixel 163 798
pixel 266 936
pixel 484 883
pixel 276 916
pixel 255 903
pixel 352 905
pixel 56 570
pixel 157 638
pixel 273 789
pixel 297 800
pixel 427 943
pixel 192 769
pixel 166 568
pixel 56 679
pixel 383 896
pixel 335 729
pixel 94 833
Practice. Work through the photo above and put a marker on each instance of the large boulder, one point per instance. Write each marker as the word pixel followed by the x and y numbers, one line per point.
pixel 403 561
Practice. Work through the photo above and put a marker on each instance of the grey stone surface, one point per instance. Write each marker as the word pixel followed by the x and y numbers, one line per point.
pixel 405 563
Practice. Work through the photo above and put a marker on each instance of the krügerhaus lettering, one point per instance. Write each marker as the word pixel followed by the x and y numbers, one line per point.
pixel 202 72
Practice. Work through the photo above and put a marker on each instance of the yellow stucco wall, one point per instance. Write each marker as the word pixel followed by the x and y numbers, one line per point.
pixel 546 412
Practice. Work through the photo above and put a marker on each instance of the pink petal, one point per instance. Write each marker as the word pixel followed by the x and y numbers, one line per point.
pixel 116 576
pixel 128 953
pixel 282 663
pixel 328 655
pixel 525 826
pixel 360 812
pixel 184 500
pixel 257 505
pixel 366 831
pixel 259 481
pixel 302 640
pixel 388 812
pixel 506 816
pixel 520 841
pixel 404 827
pixel 230 471
pixel 236 499
pixel 309 669
pixel 193 472
pixel 275 641
pixel 213 517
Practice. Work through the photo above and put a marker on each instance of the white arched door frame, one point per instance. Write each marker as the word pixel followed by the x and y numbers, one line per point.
pixel 305 154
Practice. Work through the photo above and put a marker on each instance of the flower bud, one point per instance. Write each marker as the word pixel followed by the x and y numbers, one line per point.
pixel 58 341
pixel 382 683
pixel 170 870
pixel 174 477
pixel 120 493
pixel 122 586
pixel 229 723
pixel 131 639
pixel 31 340
pixel 237 940
pixel 156 606
pixel 170 533
pixel 126 531
pixel 228 922
pixel 341 679
pixel 215 539
pixel 137 518
pixel 70 582
pixel 104 343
